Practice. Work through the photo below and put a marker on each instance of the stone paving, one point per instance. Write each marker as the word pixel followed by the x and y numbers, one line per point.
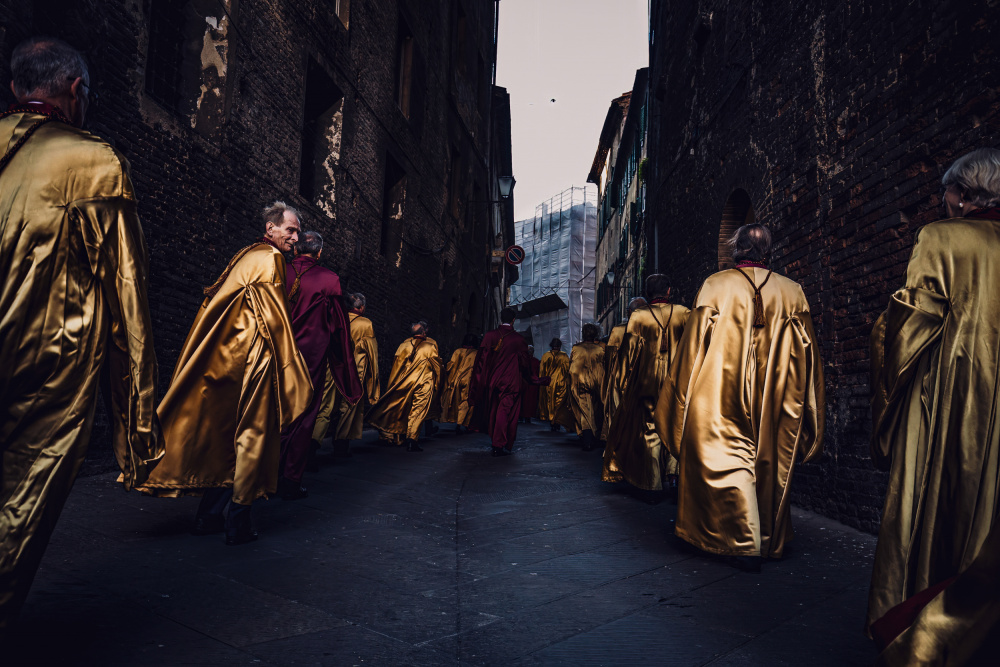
pixel 446 557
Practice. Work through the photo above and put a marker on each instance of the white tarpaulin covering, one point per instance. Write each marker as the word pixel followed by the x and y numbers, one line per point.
pixel 560 244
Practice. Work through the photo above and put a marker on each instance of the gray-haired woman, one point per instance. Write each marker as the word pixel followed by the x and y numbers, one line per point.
pixel 935 400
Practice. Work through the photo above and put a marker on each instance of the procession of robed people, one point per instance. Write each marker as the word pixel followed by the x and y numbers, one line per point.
pixel 727 396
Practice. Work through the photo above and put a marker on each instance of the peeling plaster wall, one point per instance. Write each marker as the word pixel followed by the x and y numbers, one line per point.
pixel 838 118
pixel 202 174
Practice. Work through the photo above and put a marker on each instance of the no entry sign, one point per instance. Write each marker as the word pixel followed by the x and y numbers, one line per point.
pixel 515 255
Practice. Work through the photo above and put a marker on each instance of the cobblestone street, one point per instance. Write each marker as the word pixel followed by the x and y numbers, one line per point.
pixel 437 558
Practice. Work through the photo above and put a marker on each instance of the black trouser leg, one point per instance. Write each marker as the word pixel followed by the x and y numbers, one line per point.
pixel 214 501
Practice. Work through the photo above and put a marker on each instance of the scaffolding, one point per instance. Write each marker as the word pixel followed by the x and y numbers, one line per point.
pixel 555 291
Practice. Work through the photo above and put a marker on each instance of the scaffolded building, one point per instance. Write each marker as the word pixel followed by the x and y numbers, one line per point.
pixel 555 292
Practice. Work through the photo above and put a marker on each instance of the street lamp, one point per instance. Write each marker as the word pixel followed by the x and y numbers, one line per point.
pixel 506 186
pixel 611 277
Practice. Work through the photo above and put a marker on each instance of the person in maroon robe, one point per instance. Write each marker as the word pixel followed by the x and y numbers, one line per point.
pixel 501 372
pixel 323 337
pixel 529 397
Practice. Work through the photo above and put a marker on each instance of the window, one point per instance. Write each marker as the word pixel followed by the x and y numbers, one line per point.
pixel 165 56
pixel 188 60
pixel 393 196
pixel 404 68
pixel 342 8
pixel 323 125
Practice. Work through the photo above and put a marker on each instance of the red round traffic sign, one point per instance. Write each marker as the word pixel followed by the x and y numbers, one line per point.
pixel 514 255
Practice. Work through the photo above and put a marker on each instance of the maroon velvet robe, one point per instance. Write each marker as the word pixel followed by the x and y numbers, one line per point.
pixel 323 336
pixel 501 372
pixel 529 395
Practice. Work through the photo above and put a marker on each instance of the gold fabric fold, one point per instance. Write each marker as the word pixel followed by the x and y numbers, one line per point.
pixel 961 625
pixel 239 381
pixel 413 381
pixel 554 401
pixel 609 392
pixel 455 395
pixel 635 452
pixel 742 405
pixel 936 426
pixel 586 372
pixel 74 314
pixel 349 418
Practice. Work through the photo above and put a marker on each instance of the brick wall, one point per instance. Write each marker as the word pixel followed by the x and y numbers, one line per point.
pixel 838 119
pixel 202 174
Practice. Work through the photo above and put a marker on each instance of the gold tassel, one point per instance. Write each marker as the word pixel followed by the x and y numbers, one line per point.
pixel 759 321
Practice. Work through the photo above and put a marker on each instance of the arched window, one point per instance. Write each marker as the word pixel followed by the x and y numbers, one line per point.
pixel 737 212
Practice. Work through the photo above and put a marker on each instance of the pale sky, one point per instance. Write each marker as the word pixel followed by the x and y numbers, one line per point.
pixel 583 54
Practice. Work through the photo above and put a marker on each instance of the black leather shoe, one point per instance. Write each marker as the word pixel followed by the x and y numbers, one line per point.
pixel 295 493
pixel 208 524
pixel 239 528
pixel 500 451
pixel 412 446
pixel 290 490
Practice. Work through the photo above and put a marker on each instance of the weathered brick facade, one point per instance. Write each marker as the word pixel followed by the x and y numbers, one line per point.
pixel 834 121
pixel 373 117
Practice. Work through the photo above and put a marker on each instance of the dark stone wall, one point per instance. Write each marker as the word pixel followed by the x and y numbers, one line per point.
pixel 203 174
pixel 838 119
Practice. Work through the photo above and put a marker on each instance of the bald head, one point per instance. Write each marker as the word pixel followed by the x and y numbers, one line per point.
pixel 309 243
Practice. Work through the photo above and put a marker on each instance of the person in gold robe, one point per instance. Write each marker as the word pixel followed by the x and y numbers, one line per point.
pixel 744 404
pixel 350 418
pixel 635 453
pixel 554 403
pixel 73 306
pixel 609 393
pixel 239 382
pixel 586 372
pixel 455 396
pixel 413 381
pixel 935 379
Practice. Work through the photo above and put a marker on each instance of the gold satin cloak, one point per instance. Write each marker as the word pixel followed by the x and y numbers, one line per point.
pixel 350 418
pixel 413 381
pixel 240 380
pixel 586 372
pixel 455 397
pixel 73 306
pixel 554 399
pixel 609 395
pixel 935 387
pixel 635 453
pixel 741 406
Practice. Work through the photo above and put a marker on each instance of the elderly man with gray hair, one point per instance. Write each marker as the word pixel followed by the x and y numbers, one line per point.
pixel 322 333
pixel 240 380
pixel 935 379
pixel 744 404
pixel 73 304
